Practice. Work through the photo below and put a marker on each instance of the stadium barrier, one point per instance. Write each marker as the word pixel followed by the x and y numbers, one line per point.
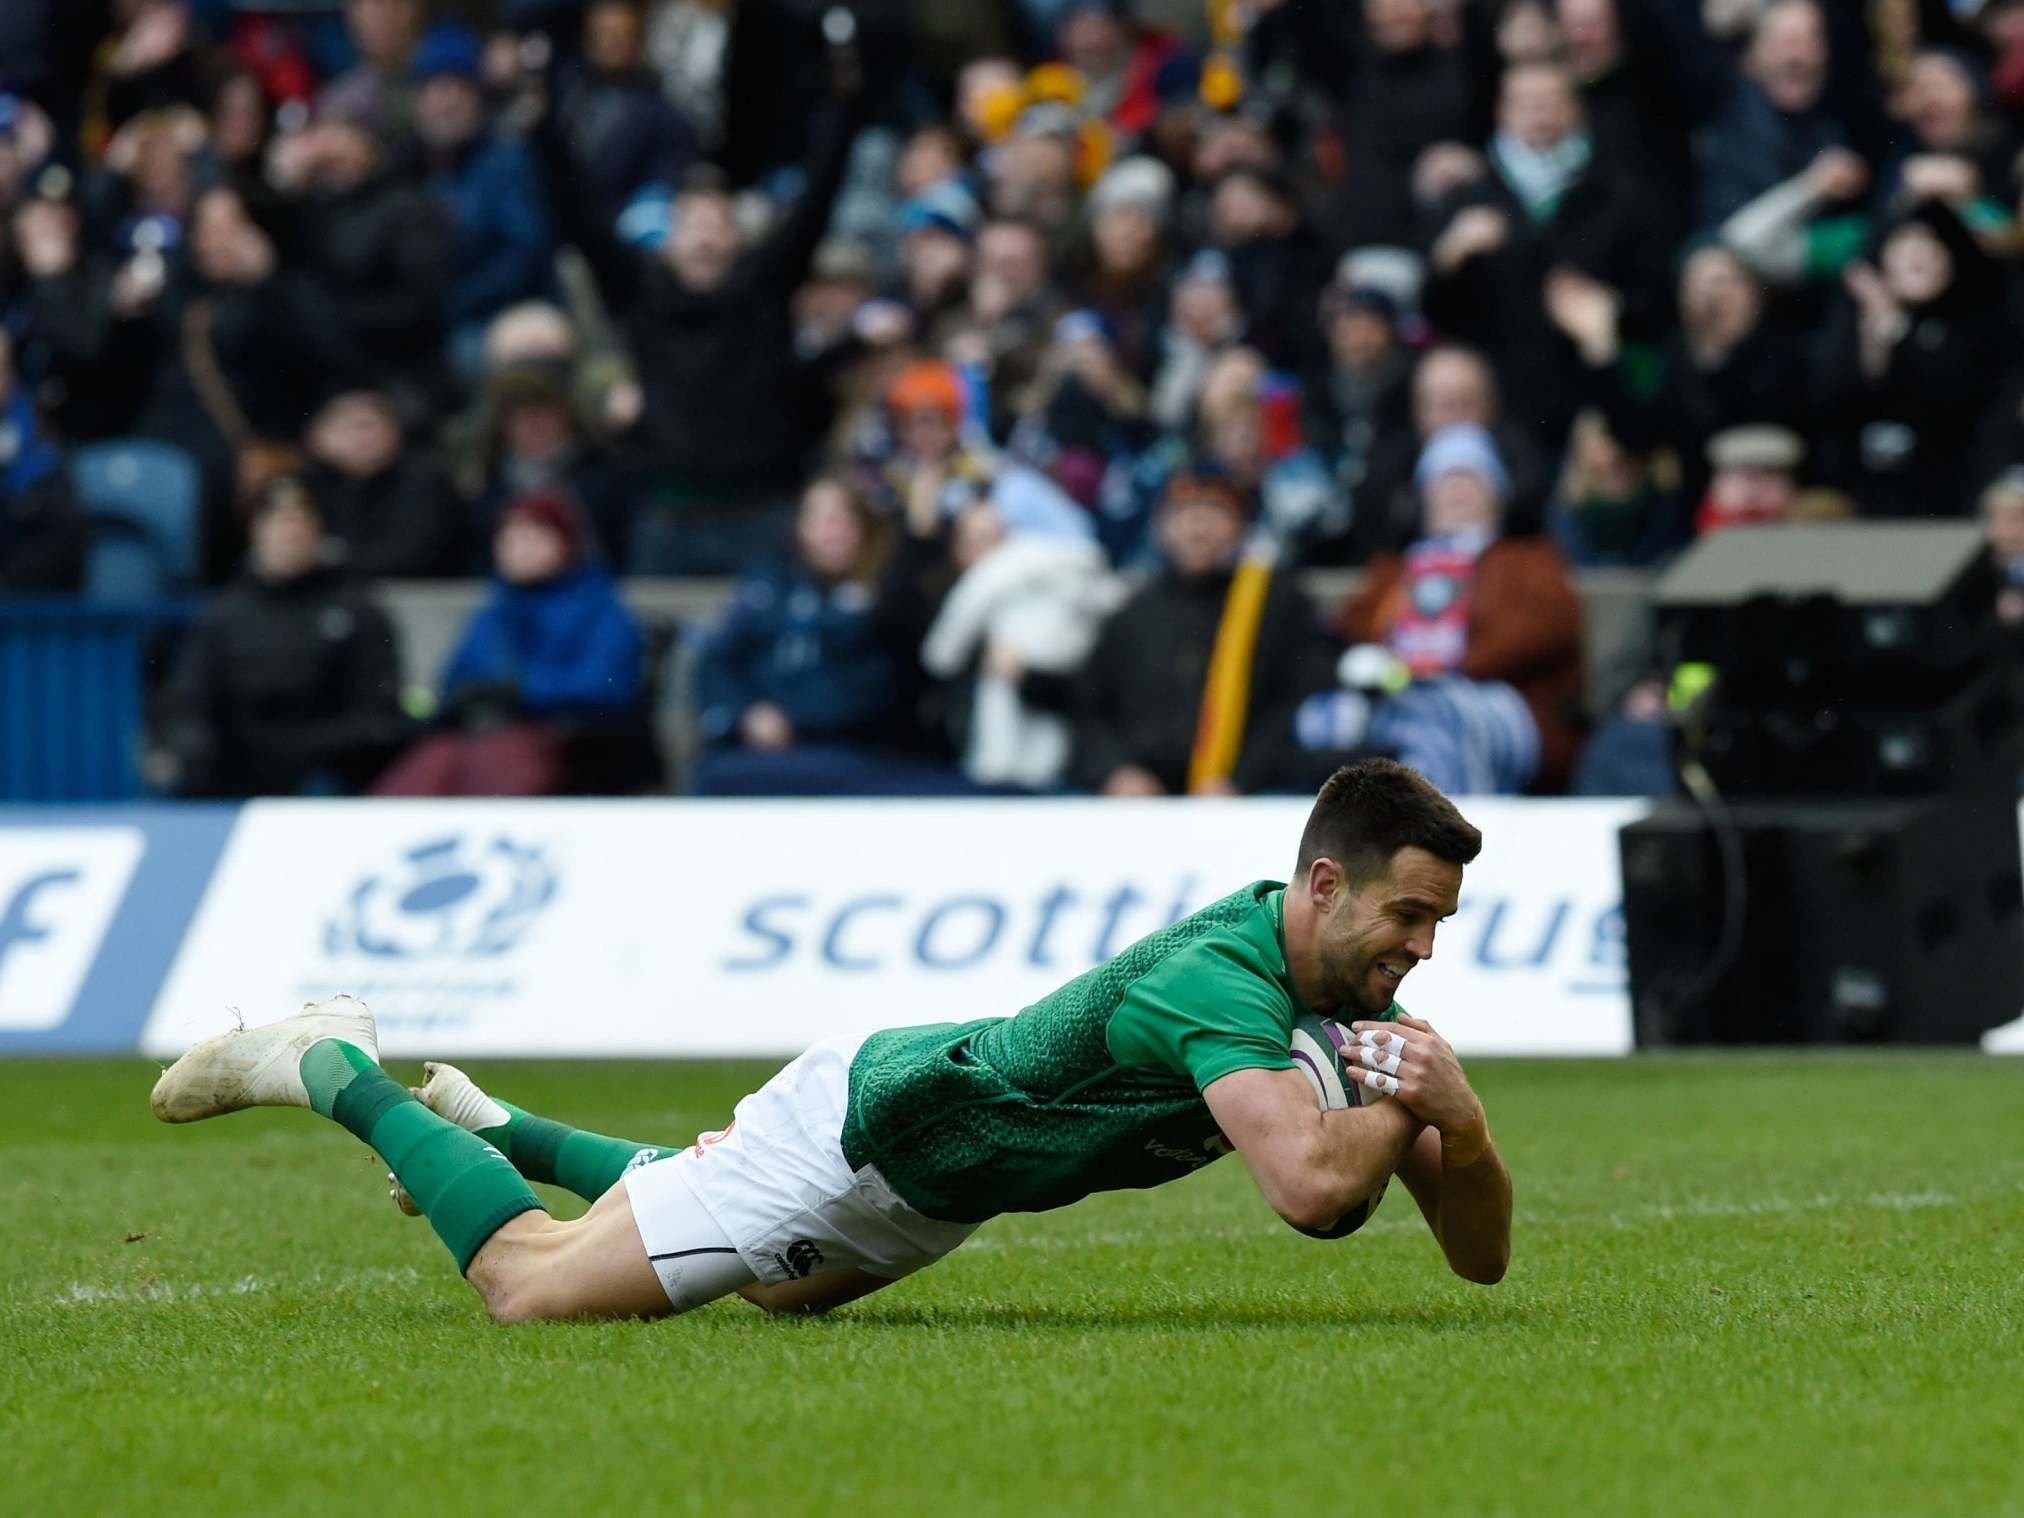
pixel 688 928
pixel 71 694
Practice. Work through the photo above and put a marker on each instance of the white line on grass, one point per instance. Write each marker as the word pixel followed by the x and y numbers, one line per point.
pixel 86 1294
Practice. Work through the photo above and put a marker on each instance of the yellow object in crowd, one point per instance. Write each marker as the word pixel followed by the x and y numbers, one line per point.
pixel 1226 695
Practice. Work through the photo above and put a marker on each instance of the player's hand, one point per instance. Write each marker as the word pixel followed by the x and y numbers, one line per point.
pixel 1409 1060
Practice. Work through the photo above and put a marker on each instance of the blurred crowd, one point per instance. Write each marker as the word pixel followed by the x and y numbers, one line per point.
pixel 1017 357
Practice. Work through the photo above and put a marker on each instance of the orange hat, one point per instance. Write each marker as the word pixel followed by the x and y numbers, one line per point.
pixel 927 385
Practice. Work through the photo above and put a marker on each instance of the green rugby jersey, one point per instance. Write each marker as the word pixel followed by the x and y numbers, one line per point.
pixel 1096 1087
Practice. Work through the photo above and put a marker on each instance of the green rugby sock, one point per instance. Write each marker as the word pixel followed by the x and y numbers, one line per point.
pixel 588 1164
pixel 464 1186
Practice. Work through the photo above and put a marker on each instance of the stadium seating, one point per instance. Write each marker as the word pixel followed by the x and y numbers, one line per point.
pixel 141 497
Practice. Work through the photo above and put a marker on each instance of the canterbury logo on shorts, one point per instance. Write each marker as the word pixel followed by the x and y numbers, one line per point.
pixel 714 1138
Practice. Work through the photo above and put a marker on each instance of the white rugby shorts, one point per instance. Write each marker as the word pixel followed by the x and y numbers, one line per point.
pixel 777 1186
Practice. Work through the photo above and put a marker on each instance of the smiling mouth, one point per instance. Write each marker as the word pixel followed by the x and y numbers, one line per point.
pixel 1392 971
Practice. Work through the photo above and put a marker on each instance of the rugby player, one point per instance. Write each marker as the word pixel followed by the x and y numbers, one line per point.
pixel 870 1157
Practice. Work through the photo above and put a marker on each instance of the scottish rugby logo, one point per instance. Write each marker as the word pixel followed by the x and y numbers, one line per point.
pixel 450 898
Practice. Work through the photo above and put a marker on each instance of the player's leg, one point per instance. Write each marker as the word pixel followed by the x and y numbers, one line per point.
pixel 535 1268
pixel 815 1294
pixel 325 1058
pixel 591 1165
pixel 540 1148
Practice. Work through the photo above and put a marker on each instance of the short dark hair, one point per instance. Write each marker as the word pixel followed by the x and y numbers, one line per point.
pixel 1368 811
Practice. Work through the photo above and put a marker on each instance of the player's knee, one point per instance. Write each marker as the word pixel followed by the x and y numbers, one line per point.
pixel 521 1301
pixel 510 1291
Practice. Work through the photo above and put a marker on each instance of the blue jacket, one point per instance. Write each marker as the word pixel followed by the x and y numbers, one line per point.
pixel 569 647
pixel 814 653
pixel 501 245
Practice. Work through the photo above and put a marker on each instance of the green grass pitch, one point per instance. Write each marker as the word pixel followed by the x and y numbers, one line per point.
pixel 1757 1284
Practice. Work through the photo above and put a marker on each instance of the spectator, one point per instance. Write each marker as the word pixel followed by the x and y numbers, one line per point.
pixel 42 534
pixel 144 187
pixel 830 318
pixel 1904 368
pixel 242 123
pixel 486 185
pixel 1612 510
pixel 710 325
pixel 1118 59
pixel 1248 435
pixel 378 89
pixel 1528 31
pixel 288 684
pixel 1024 612
pixel 548 668
pixel 932 472
pixel 1545 204
pixel 795 687
pixel 1125 270
pixel 1487 629
pixel 933 155
pixel 1083 420
pixel 938 231
pixel 1401 87
pixel 26 138
pixel 1729 364
pixel 387 507
pixel 1646 73
pixel 1008 320
pixel 1806 228
pixel 1955 139
pixel 990 92
pixel 686 43
pixel 1031 176
pixel 1450 384
pixel 151 64
pixel 237 353
pixel 1277 264
pixel 626 137
pixel 1753 478
pixel 377 245
pixel 1362 393
pixel 1140 701
pixel 2002 510
pixel 1773 121
pixel 60 313
pixel 1204 322
pixel 541 336
pixel 536 442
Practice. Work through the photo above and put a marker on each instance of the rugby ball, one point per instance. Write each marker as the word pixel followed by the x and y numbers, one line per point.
pixel 1318 1047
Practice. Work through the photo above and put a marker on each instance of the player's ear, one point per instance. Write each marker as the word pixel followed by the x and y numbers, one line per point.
pixel 1325 882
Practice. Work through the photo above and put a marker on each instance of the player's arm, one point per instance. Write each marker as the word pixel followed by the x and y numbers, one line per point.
pixel 1467 1205
pixel 1312 1166
pixel 1452 1168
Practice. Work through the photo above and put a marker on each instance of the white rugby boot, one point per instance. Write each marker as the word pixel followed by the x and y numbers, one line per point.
pixel 258 1067
pixel 448 1092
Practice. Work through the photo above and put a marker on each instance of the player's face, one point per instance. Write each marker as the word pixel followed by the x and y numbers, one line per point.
pixel 1374 933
